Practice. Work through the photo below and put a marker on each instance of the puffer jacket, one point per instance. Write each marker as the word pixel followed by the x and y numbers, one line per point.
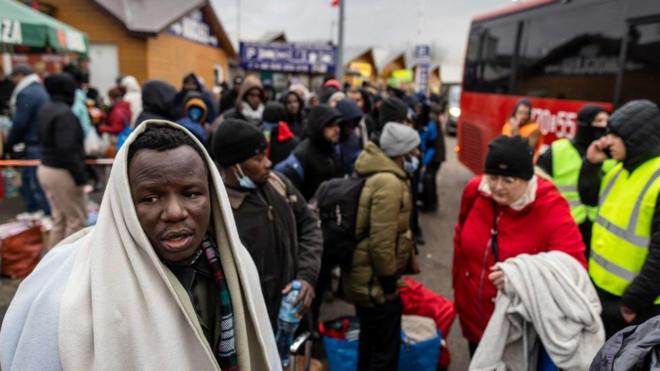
pixel 384 214
pixel 545 224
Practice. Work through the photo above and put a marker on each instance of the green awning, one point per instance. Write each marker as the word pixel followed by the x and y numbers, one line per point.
pixel 22 25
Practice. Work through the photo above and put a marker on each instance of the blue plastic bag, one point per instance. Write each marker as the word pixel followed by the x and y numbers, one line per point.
pixel 342 354
pixel 419 356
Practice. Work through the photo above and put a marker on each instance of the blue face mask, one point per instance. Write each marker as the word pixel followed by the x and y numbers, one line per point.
pixel 195 113
pixel 411 164
pixel 243 180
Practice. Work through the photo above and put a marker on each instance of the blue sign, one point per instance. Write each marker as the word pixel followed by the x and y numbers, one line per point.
pixel 423 62
pixel 288 57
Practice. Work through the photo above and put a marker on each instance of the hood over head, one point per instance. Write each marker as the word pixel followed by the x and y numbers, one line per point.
pixel 157 97
pixel 274 112
pixel 522 102
pixel 61 87
pixel 192 77
pixel 638 124
pixel 349 110
pixel 319 117
pixel 250 82
pixel 585 132
pixel 131 84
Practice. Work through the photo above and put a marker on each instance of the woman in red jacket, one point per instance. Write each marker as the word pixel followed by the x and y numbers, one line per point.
pixel 504 213
pixel 119 117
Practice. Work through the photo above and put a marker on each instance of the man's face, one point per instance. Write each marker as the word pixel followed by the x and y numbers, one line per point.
pixel 253 98
pixel 292 104
pixel 331 132
pixel 356 97
pixel 170 191
pixel 257 168
pixel 617 147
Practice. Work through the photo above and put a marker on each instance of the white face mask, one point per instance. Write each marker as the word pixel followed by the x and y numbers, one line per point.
pixel 243 180
pixel 411 164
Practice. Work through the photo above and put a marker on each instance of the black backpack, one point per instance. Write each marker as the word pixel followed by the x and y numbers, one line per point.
pixel 337 202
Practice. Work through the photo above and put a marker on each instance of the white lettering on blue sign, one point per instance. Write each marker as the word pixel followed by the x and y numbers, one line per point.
pixel 192 27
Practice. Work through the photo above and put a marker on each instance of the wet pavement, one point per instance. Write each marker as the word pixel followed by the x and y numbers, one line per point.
pixel 435 256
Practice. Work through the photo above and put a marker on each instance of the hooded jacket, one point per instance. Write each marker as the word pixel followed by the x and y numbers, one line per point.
pixel 350 143
pixel 133 96
pixel 296 121
pixel 543 225
pixel 638 124
pixel 384 214
pixel 60 133
pixel 157 98
pixel 250 82
pixel 181 98
pixel 316 155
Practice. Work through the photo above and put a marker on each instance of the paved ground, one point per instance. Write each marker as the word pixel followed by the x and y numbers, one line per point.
pixel 435 255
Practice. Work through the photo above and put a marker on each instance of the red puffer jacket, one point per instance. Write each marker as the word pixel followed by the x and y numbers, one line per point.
pixel 546 224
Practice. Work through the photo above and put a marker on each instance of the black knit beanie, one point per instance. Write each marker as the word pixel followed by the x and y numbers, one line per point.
pixel 510 156
pixel 236 141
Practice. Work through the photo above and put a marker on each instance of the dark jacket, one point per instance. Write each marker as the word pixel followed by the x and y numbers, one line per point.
pixel 281 140
pixel 316 155
pixel 24 128
pixel 60 134
pixel 391 110
pixel 350 143
pixel 638 124
pixel 296 121
pixel 631 349
pixel 282 235
pixel 157 98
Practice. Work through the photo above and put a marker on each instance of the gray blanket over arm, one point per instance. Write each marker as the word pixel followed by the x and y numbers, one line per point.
pixel 548 297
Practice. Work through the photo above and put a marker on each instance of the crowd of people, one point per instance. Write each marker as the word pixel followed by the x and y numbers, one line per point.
pixel 214 208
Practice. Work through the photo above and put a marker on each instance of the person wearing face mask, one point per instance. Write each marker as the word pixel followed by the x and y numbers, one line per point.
pixel 372 280
pixel 195 119
pixel 563 160
pixel 506 212
pixel 249 103
pixel 625 244
pixel 274 222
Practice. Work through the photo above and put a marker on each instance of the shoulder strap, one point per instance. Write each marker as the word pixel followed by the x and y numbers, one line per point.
pixel 281 187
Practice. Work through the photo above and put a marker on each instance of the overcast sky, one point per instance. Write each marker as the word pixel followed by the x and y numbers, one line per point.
pixel 389 24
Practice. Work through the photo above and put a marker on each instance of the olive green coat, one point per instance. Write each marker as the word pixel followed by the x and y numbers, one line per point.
pixel 384 216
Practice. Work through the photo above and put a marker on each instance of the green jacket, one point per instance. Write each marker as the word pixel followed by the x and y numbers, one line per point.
pixel 384 216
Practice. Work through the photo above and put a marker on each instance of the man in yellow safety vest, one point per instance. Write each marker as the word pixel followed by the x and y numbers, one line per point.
pixel 625 246
pixel 563 160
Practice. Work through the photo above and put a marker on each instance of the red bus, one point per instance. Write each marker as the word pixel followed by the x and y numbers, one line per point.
pixel 561 55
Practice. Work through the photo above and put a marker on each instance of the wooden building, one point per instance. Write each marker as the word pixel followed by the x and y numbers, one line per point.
pixel 150 39
pixel 360 65
pixel 392 63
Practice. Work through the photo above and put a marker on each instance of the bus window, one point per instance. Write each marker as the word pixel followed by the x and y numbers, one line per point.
pixel 641 75
pixel 571 53
pixel 488 61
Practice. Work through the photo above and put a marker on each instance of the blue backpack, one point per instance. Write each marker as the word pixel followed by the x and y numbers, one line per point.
pixel 291 166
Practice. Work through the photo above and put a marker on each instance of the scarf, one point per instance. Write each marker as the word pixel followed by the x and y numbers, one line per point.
pixel 226 347
pixel 252 115
pixel 122 309
pixel 527 198
pixel 24 83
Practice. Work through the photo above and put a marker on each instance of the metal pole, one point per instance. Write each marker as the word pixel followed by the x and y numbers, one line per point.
pixel 238 22
pixel 340 43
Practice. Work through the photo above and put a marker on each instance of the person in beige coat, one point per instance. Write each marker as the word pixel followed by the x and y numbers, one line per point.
pixel 372 280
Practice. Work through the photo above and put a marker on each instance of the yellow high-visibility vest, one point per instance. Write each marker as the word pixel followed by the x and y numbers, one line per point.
pixel 622 230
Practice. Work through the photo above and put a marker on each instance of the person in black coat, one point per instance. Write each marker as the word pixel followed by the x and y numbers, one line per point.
pixel 637 124
pixel 317 153
pixel 62 172
pixel 157 101
pixel 295 107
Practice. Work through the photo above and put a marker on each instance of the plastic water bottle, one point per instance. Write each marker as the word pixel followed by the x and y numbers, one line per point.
pixel 287 322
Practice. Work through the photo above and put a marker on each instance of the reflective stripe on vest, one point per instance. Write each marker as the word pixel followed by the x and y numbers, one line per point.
pixel 566 164
pixel 622 231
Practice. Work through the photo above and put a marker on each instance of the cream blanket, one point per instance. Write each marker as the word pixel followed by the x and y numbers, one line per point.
pixel 120 308
pixel 550 298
